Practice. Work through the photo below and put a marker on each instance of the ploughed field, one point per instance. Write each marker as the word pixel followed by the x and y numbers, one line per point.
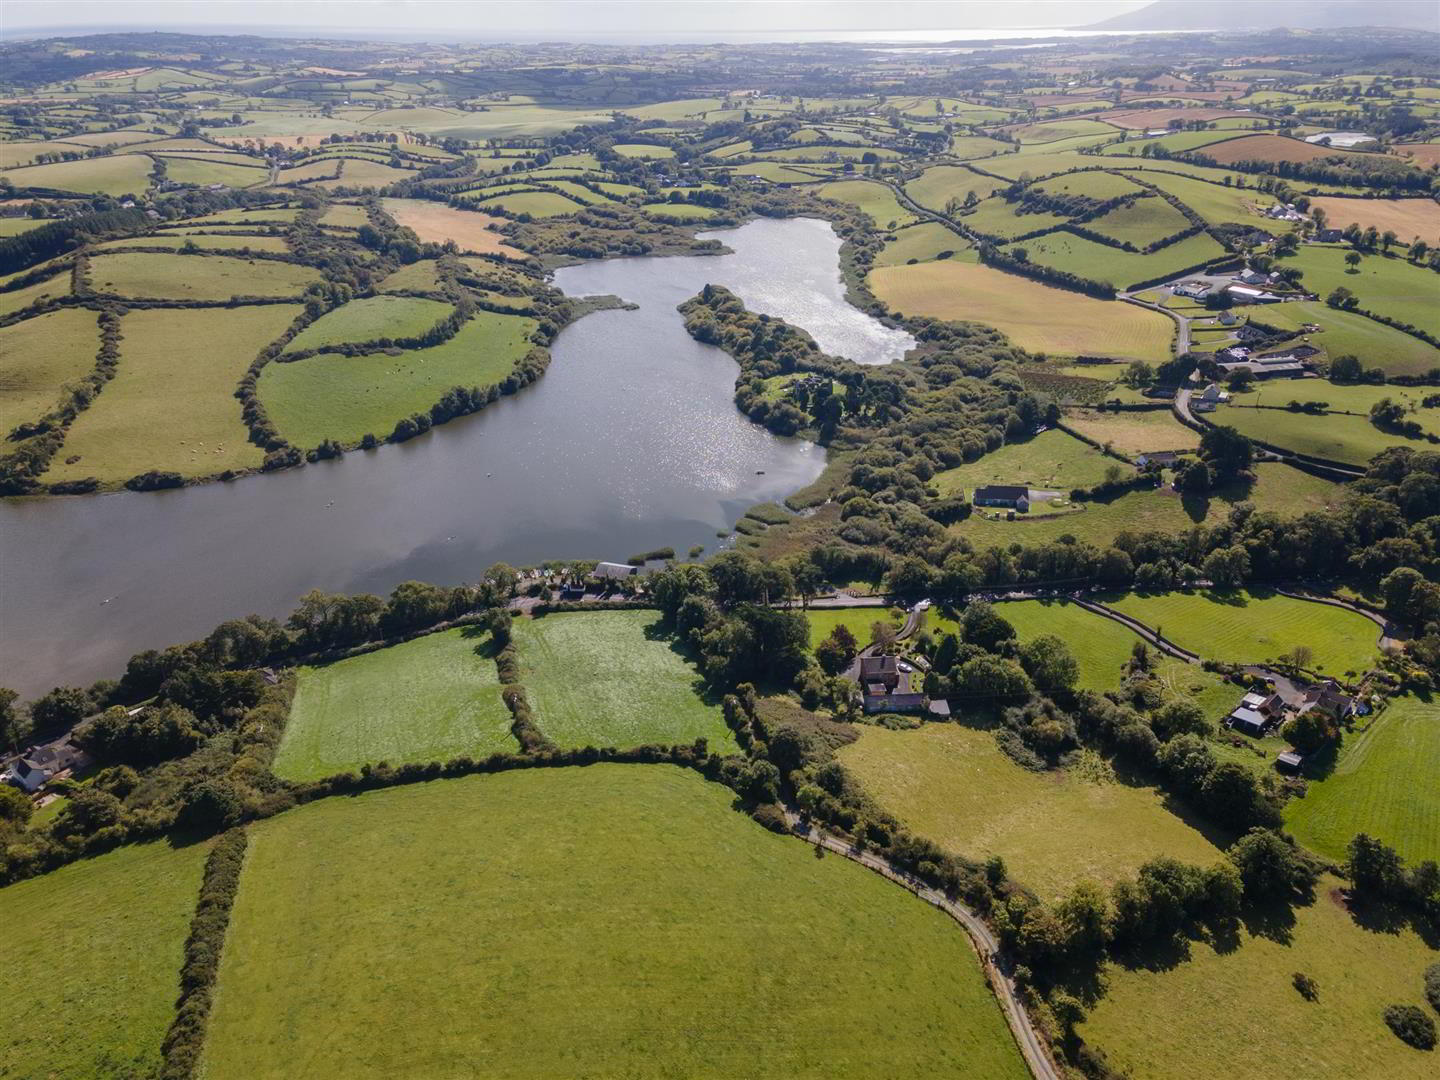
pixel 606 921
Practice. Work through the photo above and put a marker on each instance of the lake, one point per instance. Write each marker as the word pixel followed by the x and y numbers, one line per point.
pixel 630 442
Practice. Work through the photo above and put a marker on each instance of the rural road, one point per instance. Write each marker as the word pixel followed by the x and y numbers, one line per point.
pixel 1140 628
pixel 1030 1041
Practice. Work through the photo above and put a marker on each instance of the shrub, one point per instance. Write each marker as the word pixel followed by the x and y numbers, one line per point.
pixel 1308 987
pixel 1411 1026
pixel 1432 986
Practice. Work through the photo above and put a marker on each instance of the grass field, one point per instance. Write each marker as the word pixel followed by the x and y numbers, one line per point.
pixel 16 299
pixel 205 242
pixel 1050 460
pixel 330 396
pixel 1393 351
pixel 1407 217
pixel 612 921
pixel 683 212
pixel 149 275
pixel 358 172
pixel 1093 185
pixel 1382 784
pixel 1034 316
pixel 347 216
pixel 1278 487
pixel 644 151
pixel 1249 626
pixel 938 185
pixel 94 995
pixel 919 243
pixel 1142 222
pixel 1216 203
pixel 1352 439
pixel 435 223
pixel 996 217
pixel 116 175
pixel 1136 431
pixel 420 276
pixel 876 200
pixel 858 620
pixel 540 204
pixel 38 356
pixel 951 783
pixel 1169 1021
pixel 601 679
pixel 1101 646
pixel 189 170
pixel 430 699
pixel 172 405
pixel 371 319
pixel 1388 286
pixel 1077 255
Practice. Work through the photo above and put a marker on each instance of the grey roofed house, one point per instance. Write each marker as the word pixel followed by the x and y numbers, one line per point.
pixel 26 775
pixel 1011 495
pixel 1249 721
pixel 1158 457
pixel 615 570
pixel 1327 698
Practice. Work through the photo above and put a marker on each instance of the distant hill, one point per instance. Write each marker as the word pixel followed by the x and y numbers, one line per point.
pixel 1269 14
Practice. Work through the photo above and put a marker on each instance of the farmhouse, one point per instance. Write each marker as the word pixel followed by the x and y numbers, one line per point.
pixel 1195 290
pixel 41 764
pixel 1214 393
pixel 1327 698
pixel 1163 459
pixel 879 674
pixel 1008 495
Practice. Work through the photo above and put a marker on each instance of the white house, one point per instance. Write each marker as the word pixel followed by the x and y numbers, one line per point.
pixel 26 775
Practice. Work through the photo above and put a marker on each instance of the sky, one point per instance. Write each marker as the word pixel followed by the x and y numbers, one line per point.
pixel 557 19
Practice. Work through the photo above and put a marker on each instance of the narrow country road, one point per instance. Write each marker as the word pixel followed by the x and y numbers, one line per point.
pixel 1140 628
pixel 1031 1042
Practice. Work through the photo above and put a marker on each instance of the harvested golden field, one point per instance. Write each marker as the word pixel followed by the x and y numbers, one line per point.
pixel 1408 218
pixel 1268 148
pixel 1136 432
pixel 1034 316
pixel 435 223
pixel 1422 154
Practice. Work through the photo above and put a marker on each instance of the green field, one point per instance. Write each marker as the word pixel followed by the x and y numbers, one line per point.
pixel 430 699
pixel 116 175
pixel 1176 1020
pixel 1250 626
pixel 172 405
pixel 1387 286
pixel 1279 488
pixel 645 151
pixel 371 319
pixel 1351 439
pixel 874 199
pixel 1077 255
pixel 330 396
pixel 419 276
pixel 203 172
pixel 1383 783
pixel 938 185
pixel 17 299
pixel 540 204
pixel 1134 432
pixel 1343 332
pixel 920 243
pixel 952 784
pixel 606 678
pixel 611 921
pixel 1101 646
pixel 98 1003
pixel 39 356
pixel 1032 315
pixel 150 275
pixel 677 211
pixel 1142 222
pixel 1051 460
pixel 1093 185
pixel 205 242
pixel 1214 202
pixel 996 217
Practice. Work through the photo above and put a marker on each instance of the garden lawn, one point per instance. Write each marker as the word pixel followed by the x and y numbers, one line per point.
pixel 431 699
pixel 951 784
pixel 1250 626
pixel 1051 460
pixel 172 405
pixel 1383 783
pixel 95 993
pixel 610 921
pixel 606 678
pixel 1177 1020
pixel 331 396
pixel 1101 646
pixel 1387 286
pixel 39 356
pixel 874 199
pixel 150 275
pixel 371 319
pixel 858 620
pixel 1034 316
